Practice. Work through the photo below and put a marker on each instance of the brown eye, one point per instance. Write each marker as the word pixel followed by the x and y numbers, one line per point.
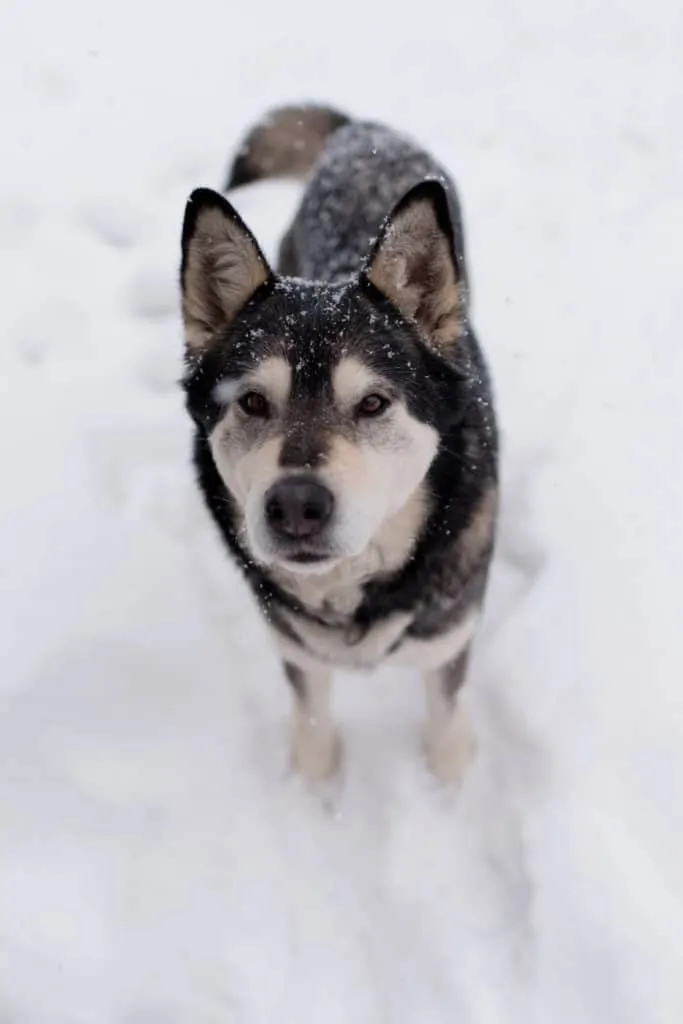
pixel 254 404
pixel 372 405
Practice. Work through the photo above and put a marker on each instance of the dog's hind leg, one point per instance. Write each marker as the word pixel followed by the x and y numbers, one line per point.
pixel 449 743
pixel 315 742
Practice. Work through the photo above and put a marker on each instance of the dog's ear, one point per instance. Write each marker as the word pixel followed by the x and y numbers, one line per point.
pixel 413 264
pixel 222 266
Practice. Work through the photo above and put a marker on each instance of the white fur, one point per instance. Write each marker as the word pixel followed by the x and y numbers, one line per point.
pixel 330 647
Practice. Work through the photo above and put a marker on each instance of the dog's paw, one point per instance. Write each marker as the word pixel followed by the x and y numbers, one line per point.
pixel 316 750
pixel 450 747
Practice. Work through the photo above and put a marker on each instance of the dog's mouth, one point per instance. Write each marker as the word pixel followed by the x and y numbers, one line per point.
pixel 305 559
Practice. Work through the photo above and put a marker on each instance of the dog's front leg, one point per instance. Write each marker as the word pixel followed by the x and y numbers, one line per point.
pixel 449 742
pixel 315 741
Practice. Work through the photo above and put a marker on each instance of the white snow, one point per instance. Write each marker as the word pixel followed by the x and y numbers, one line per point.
pixel 158 865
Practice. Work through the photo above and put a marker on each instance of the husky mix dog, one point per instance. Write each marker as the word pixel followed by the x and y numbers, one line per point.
pixel 345 438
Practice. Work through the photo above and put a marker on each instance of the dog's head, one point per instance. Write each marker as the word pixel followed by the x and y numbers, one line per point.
pixel 323 404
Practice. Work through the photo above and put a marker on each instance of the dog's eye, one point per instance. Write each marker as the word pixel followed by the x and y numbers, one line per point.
pixel 254 404
pixel 372 405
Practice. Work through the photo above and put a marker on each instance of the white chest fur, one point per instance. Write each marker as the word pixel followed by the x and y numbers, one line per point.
pixel 323 645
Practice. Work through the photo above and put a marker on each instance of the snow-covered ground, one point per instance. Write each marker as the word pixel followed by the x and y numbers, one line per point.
pixel 158 865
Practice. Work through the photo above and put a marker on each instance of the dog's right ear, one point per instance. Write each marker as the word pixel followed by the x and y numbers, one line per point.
pixel 414 265
pixel 222 267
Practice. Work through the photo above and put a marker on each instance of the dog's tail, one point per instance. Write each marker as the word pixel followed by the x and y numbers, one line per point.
pixel 285 144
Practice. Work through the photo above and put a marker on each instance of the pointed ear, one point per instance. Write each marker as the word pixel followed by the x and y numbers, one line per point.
pixel 222 267
pixel 414 265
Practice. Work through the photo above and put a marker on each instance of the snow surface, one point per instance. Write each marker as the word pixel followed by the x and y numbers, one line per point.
pixel 158 865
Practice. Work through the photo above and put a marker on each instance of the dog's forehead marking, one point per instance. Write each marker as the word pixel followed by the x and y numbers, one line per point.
pixel 351 380
pixel 274 375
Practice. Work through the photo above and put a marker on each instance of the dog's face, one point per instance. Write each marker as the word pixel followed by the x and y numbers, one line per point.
pixel 323 405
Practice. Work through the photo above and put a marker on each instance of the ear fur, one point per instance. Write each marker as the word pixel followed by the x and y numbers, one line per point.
pixel 413 264
pixel 222 267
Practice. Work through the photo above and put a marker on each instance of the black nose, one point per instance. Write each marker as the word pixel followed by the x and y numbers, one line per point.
pixel 298 507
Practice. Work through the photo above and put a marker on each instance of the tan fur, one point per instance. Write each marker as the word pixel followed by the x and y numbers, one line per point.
pixel 273 377
pixel 449 741
pixel 373 480
pixel 289 141
pixel 224 269
pixel 351 381
pixel 316 749
pixel 414 268
pixel 476 538
pixel 246 474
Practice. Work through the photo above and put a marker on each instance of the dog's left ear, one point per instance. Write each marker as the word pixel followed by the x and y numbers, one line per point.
pixel 222 267
pixel 413 264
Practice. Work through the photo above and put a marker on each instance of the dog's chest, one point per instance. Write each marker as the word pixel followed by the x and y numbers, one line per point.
pixel 330 630
pixel 332 600
pixel 386 642
pixel 338 640
pixel 332 634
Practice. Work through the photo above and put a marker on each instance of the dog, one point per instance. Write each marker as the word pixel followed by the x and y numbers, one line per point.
pixel 345 435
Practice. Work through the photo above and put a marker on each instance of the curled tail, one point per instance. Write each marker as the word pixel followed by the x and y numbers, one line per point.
pixel 285 144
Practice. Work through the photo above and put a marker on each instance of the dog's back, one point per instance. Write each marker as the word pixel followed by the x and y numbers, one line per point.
pixel 356 172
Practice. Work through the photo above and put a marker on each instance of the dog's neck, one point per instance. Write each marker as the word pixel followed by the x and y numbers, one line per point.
pixel 337 593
